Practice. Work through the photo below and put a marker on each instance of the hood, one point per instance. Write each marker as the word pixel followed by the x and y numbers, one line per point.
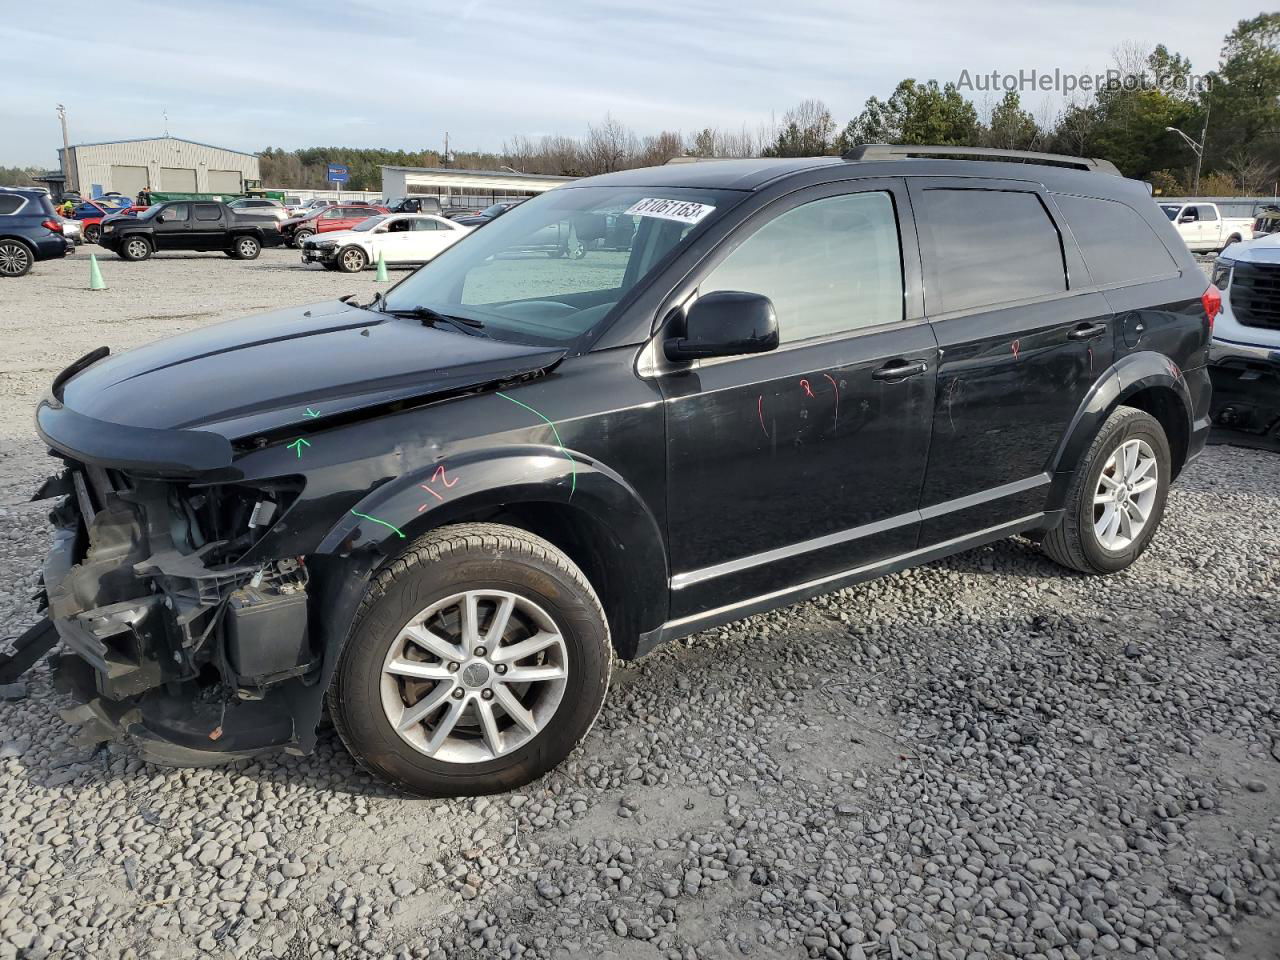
pixel 263 373
pixel 340 235
pixel 1263 250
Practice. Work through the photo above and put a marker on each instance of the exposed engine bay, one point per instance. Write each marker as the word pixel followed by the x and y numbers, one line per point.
pixel 170 632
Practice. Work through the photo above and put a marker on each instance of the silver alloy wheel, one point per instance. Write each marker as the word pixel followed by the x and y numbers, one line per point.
pixel 248 247
pixel 474 676
pixel 14 259
pixel 137 249
pixel 1126 492
pixel 353 259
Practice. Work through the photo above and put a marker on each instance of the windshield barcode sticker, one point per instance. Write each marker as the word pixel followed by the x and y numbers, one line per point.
pixel 683 211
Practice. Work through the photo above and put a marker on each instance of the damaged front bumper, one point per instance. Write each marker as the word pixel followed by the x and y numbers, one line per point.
pixel 169 635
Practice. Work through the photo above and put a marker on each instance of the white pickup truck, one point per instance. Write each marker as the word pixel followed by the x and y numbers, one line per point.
pixel 1204 229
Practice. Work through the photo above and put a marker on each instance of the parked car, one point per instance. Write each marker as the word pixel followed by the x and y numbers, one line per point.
pixel 397 238
pixel 1245 356
pixel 309 206
pixel 264 206
pixel 30 231
pixel 1266 222
pixel 1204 229
pixel 71 230
pixel 448 509
pixel 415 205
pixel 325 219
pixel 491 212
pixel 189 225
pixel 91 213
pixel 453 211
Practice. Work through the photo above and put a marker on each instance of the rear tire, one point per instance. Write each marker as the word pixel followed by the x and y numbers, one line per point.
pixel 245 248
pixel 1111 511
pixel 16 258
pixel 464 741
pixel 134 249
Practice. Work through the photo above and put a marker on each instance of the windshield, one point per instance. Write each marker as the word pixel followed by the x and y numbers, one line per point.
pixel 368 224
pixel 1170 209
pixel 553 268
pixel 150 212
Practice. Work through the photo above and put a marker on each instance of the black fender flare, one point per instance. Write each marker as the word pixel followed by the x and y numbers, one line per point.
pixel 1125 378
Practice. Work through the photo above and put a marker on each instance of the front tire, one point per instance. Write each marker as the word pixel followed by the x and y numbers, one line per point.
pixel 134 249
pixel 351 259
pixel 477 661
pixel 1117 496
pixel 92 233
pixel 300 237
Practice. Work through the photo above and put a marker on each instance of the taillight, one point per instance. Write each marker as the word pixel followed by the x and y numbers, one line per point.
pixel 1212 302
pixel 53 225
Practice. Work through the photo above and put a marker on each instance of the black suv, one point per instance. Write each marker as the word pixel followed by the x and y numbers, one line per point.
pixel 449 509
pixel 30 230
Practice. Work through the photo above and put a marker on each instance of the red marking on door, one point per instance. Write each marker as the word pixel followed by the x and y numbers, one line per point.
pixel 808 390
pixel 1015 347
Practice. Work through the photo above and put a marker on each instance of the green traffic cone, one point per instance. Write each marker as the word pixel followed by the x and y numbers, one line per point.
pixel 95 275
pixel 382 267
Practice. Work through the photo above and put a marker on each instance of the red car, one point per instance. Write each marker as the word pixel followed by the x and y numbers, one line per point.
pixel 90 215
pixel 337 217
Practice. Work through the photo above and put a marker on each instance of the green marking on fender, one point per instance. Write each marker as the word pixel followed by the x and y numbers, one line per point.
pixel 389 526
pixel 298 444
pixel 573 480
pixel 312 413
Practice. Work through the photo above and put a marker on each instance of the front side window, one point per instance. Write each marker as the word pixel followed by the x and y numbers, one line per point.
pixel 177 212
pixel 1190 214
pixel 987 247
pixel 829 266
pixel 542 273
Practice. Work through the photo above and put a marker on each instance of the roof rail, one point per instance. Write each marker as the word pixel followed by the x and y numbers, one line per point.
pixel 893 151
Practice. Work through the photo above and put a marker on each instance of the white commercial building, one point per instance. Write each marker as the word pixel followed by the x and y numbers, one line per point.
pixel 164 164
pixel 465 186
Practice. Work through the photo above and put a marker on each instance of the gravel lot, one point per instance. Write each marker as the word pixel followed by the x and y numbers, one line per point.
pixel 985 757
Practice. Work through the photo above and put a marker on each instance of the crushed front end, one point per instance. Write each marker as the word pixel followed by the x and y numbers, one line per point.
pixel 169 634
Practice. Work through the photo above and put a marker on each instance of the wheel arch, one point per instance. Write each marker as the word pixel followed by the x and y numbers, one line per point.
pixel 583 508
pixel 1146 380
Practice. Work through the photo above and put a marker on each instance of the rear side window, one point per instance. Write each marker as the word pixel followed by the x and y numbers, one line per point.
pixel 1206 212
pixel 208 211
pixel 10 203
pixel 829 266
pixel 984 247
pixel 1117 244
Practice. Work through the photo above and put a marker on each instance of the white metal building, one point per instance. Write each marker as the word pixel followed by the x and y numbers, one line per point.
pixel 464 186
pixel 166 164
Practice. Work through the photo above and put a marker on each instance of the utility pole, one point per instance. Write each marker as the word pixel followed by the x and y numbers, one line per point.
pixel 69 183
pixel 446 148
pixel 1196 148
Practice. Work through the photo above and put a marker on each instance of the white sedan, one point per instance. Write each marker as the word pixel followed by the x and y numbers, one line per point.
pixel 398 238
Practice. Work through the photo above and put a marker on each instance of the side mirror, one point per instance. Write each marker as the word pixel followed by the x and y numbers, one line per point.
pixel 727 323
pixel 159 218
pixel 1186 218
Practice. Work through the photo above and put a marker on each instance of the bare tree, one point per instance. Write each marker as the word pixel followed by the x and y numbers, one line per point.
pixel 608 146
pixel 1250 170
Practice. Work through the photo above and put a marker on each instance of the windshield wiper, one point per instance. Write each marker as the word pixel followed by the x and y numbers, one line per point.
pixel 432 318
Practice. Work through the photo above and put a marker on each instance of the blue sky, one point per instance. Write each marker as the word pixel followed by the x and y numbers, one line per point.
pixel 399 73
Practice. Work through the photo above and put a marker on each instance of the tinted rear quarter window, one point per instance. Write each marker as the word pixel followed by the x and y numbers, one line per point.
pixel 10 203
pixel 1118 245
pixel 984 247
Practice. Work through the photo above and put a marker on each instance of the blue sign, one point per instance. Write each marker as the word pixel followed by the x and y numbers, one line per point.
pixel 338 173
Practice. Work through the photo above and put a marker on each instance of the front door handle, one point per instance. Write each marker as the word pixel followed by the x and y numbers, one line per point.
pixel 1087 331
pixel 897 370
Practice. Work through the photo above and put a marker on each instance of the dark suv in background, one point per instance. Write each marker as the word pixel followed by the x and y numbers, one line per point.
pixel 448 509
pixel 30 230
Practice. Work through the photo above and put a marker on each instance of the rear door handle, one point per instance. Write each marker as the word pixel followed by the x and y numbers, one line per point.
pixel 900 370
pixel 1087 331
